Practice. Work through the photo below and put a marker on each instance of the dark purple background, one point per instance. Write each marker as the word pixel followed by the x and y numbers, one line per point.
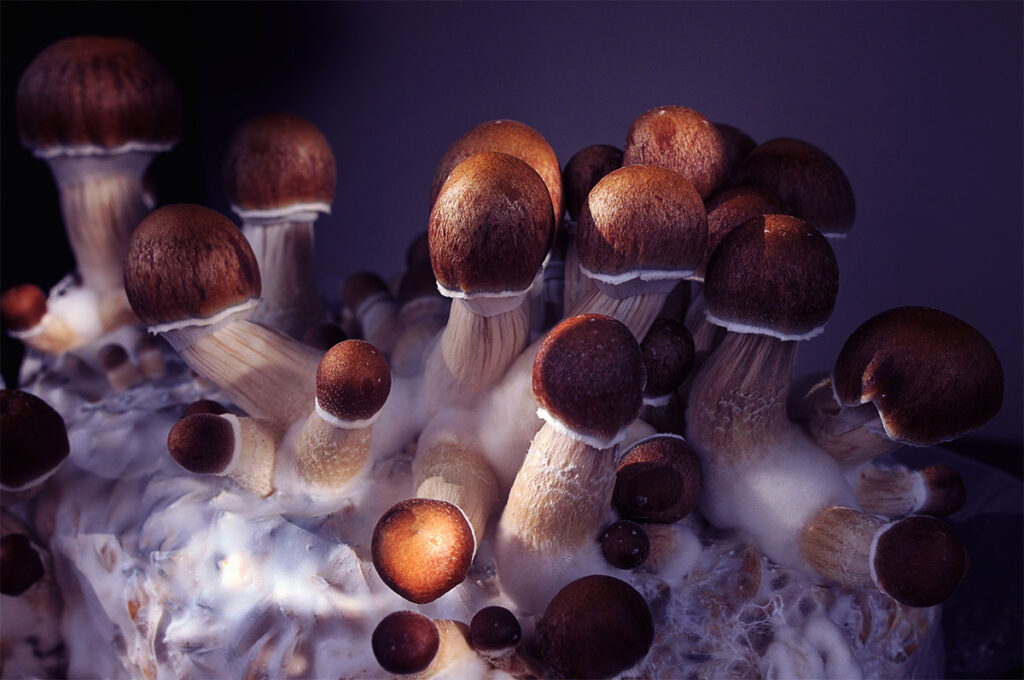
pixel 921 105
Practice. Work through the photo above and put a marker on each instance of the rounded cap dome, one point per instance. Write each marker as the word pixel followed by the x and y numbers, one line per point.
pixel 33 439
pixel 584 170
pixel 405 642
pixel 737 145
pixel 919 561
pixel 659 479
pixel 732 207
pixel 97 91
pixel 931 376
pixel 203 443
pixel 23 307
pixel 494 630
pixel 772 275
pixel 668 352
pixel 352 381
pixel 491 226
pixel 625 544
pixel 20 564
pixel 186 262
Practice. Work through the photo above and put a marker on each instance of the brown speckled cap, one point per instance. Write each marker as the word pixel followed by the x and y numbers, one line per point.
pixel 278 160
pixel 188 262
pixel 595 627
pixel 23 307
pixel 204 406
pixel 586 167
pixel 33 439
pixel 919 561
pixel 20 564
pixel 589 375
pixel 641 217
pixel 361 286
pixel 625 544
pixel 494 631
pixel 353 380
pixel 737 145
pixel 682 140
pixel 806 178
pixel 203 443
pixel 658 479
pixel 491 226
pixel 732 207
pixel 772 275
pixel 668 352
pixel 405 642
pixel 99 91
pixel 931 376
pixel 511 137
pixel 422 548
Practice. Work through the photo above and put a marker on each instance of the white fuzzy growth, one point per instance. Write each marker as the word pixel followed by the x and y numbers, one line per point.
pixel 295 212
pixel 194 329
pixel 489 303
pixel 828 640
pixel 737 327
pixel 78 307
pixel 589 440
pixel 340 423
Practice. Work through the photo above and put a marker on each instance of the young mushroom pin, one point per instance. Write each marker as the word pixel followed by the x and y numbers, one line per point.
pixel 240 448
pixel 33 444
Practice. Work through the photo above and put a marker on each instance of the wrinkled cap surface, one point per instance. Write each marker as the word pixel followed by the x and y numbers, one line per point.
pixel 668 352
pixel 33 439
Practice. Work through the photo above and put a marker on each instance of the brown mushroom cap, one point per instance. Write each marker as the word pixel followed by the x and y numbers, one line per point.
pixel 204 406
pixel 642 217
pixel 33 439
pixel 513 138
pixel 203 443
pixel 324 335
pixel 276 161
pixel 491 226
pixel 589 375
pixel 682 140
pixel 919 561
pixel 946 490
pixel 352 381
pixel 668 352
pixel 23 307
pixel 361 286
pixel 98 91
pixel 732 207
pixel 586 167
pixel 112 356
pixel 625 544
pixel 422 548
pixel 20 565
pixel 188 262
pixel 494 630
pixel 659 479
pixel 405 642
pixel 931 376
pixel 806 179
pixel 737 145
pixel 772 275
pixel 595 627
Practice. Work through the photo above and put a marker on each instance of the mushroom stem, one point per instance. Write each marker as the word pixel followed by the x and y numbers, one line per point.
pixel 255 454
pixel 897 491
pixel 378 318
pixel 577 284
pixel 329 455
pixel 454 658
pixel 284 251
pixel 421 318
pixel 637 312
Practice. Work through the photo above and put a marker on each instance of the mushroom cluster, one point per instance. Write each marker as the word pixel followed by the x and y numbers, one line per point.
pixel 582 373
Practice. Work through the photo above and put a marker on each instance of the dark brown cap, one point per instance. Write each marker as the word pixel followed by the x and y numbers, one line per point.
pixel 417 282
pixel 511 137
pixel 405 642
pixel 276 161
pixel 323 335
pixel 491 226
pixel 204 406
pixel 203 443
pixel 20 564
pixel 737 145
pixel 494 631
pixel 730 208
pixel 586 167
pixel 772 275
pixel 919 561
pixel 33 439
pixel 682 140
pixel 112 356
pixel 642 217
pixel 361 286
pixel 659 479
pixel 422 548
pixel 97 91
pixel 931 376
pixel 625 544
pixel 595 627
pixel 23 307
pixel 352 381
pixel 945 490
pixel 188 262
pixel 668 352
pixel 589 375
pixel 806 179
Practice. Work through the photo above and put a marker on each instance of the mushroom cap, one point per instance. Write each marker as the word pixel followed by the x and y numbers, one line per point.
pixel 513 138
pixel 625 544
pixel 491 226
pixel 642 217
pixel 589 375
pixel 494 630
pixel 586 167
pixel 188 262
pixel 204 406
pixel 361 286
pixel 772 275
pixel 946 490
pixel 323 335
pixel 112 356
pixel 276 161
pixel 405 642
pixel 23 307
pixel 33 439
pixel 730 208
pixel 668 352
pixel 737 145
pixel 659 479
pixel 682 140
pixel 20 564
pixel 919 561
pixel 595 627
pixel 806 179
pixel 931 376
pixel 422 548
pixel 203 443
pixel 417 282
pixel 352 381
pixel 97 91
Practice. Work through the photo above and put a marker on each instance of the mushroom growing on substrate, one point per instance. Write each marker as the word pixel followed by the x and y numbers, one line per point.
pixel 191 276
pixel 668 353
pixel 240 448
pixel 374 307
pixel 33 444
pixel 408 643
pixel 27 317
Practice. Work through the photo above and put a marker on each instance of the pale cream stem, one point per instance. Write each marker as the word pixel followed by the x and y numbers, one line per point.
pixel 284 251
pixel 837 544
pixel 636 312
pixel 255 455
pixel 446 471
pixel 328 456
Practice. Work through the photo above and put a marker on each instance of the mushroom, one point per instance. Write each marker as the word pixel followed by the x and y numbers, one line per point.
pixel 737 145
pixel 98 110
pixel 422 314
pixel 562 493
pixel 658 479
pixel 668 353
pixel 405 642
pixel 33 444
pixel 150 355
pixel 279 174
pixel 352 384
pixel 240 448
pixel 374 308
pixel 204 406
pixel 27 318
pixel 191 277
pixel 323 335
pixel 122 374
pixel 595 627
pixel 895 491
pixel 625 544
pixel 495 633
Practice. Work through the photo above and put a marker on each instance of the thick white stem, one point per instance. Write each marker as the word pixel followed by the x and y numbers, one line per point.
pixel 255 455
pixel 636 312
pixel 378 318
pixel 284 251
pixel 329 457
pixel 445 470
pixel 421 319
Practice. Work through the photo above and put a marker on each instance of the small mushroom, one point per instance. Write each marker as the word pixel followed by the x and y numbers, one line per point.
pixel 668 353
pixel 895 491
pixel 33 444
pixel 374 308
pixel 27 317
pixel 405 642
pixel 495 633
pixel 150 355
pixel 122 373
pixel 625 544
pixel 227 445
pixel 658 480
